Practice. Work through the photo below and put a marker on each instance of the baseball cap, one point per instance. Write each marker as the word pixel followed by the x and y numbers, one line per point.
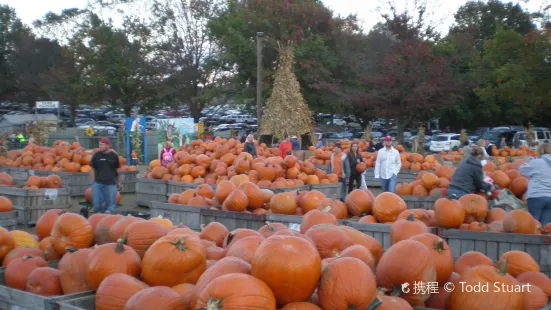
pixel 105 141
pixel 388 138
pixel 293 137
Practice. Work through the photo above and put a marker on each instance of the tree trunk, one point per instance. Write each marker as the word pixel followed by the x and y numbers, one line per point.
pixel 400 128
pixel 127 109
pixel 195 109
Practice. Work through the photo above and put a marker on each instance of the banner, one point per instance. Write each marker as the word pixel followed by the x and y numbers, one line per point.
pixel 136 138
pixel 178 131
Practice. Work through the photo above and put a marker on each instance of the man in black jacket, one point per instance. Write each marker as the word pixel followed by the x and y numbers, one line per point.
pixel 105 177
pixel 469 176
pixel 354 158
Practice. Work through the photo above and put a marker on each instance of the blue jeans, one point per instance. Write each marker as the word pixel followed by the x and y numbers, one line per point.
pixel 389 185
pixel 104 193
pixel 540 208
pixel 457 192
pixel 344 188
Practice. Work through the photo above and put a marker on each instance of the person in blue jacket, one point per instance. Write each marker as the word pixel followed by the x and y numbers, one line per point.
pixel 295 143
pixel 538 195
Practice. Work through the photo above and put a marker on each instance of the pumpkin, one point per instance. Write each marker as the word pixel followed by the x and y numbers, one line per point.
pixel 283 203
pixel 448 213
pixel 159 297
pixel 534 298
pixel 495 214
pixel 358 202
pixel 116 289
pixel 172 260
pixel 416 264
pixel 302 261
pixel 501 179
pixel 329 239
pixel 256 197
pixel 519 186
pixel 469 260
pixel 53 181
pixel 270 229
pixel 441 254
pixel 111 258
pixel 300 306
pixel 404 229
pixel 393 303
pixel 140 235
pixel 214 232
pixel 73 270
pixel 186 291
pixel 359 252
pixel 23 239
pixel 370 243
pixel 370 219
pixel 5 204
pixel 347 283
pixel 538 279
pixel 117 230
pixel 244 248
pixel 387 206
pixel 333 206
pixel 518 262
pixel 236 201
pixel 49 252
pixel 7 243
pixel 429 181
pixel 227 265
pixel 238 234
pixel 520 222
pixel 311 200
pixel 101 233
pixel 94 220
pixel 495 299
pixel 475 206
pixel 18 270
pixel 316 217
pixel 227 292
pixel 44 281
pixel 20 253
pixel 71 230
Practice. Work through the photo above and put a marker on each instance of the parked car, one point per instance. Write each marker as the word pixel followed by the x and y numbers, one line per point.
pixel 445 142
pixel 494 136
pixel 539 136
pixel 338 122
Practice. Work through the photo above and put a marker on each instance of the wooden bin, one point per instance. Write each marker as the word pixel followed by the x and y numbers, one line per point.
pixel 8 220
pixel 329 190
pixel 325 168
pixel 81 303
pixel 10 298
pixel 404 176
pixel 30 204
pixel 178 214
pixel 494 244
pixel 233 220
pixel 180 187
pixel 19 175
pixel 285 189
pixel 77 182
pixel 420 202
pixel 292 221
pixel 128 181
pixel 149 190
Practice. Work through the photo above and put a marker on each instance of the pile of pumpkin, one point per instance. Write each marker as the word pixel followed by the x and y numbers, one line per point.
pixel 62 156
pixel 36 182
pixel 271 172
pixel 500 154
pixel 151 264
pixel 220 146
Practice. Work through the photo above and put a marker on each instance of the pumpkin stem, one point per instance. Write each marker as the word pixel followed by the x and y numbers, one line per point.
pixel 382 290
pixel 179 244
pixel 411 217
pixel 120 245
pixel 396 291
pixel 327 209
pixel 71 249
pixel 202 226
pixel 503 269
pixel 213 304
pixel 27 257
pixel 229 238
pixel 452 197
pixel 439 246
pixel 374 304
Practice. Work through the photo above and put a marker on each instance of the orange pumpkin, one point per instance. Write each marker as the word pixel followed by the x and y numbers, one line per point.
pixel 71 230
pixel 387 206
pixel 115 290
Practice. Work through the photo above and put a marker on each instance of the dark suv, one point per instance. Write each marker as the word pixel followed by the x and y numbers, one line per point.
pixel 494 136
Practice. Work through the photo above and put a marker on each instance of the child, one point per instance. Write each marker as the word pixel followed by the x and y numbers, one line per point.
pixel 134 158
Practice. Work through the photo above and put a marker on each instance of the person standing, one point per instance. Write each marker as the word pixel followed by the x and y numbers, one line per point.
pixel 295 143
pixel 468 178
pixel 503 143
pixel 354 158
pixel 249 146
pixel 319 144
pixel 341 167
pixel 379 145
pixel 371 147
pixel 539 187
pixel 167 154
pixel 285 147
pixel 489 146
pixel 105 177
pixel 387 166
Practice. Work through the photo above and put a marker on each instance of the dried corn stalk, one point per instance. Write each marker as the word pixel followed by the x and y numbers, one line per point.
pixel 38 132
pixel 368 132
pixel 286 111
pixel 529 131
pixel 421 140
pixel 464 136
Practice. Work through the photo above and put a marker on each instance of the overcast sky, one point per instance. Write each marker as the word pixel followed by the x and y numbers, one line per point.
pixel 441 11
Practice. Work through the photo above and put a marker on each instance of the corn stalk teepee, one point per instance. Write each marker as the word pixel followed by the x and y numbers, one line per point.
pixel 286 111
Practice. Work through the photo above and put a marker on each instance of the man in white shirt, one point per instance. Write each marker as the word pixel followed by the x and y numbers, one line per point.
pixel 388 166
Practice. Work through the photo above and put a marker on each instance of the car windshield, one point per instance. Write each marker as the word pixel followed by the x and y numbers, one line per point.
pixel 492 134
pixel 440 138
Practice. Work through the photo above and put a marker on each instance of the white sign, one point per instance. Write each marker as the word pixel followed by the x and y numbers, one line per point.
pixel 47 104
pixel 294 226
pixel 50 194
pixel 31 172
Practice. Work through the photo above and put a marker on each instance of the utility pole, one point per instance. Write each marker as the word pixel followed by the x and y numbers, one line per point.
pixel 259 36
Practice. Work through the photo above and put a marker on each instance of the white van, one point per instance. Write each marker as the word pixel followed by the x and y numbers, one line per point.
pixel 445 142
pixel 540 135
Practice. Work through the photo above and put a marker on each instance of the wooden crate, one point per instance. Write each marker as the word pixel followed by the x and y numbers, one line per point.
pixel 420 202
pixel 233 220
pixel 285 189
pixel 404 176
pixel 178 214
pixel 30 204
pixel 180 187
pixel 149 190
pixel 326 168
pixel 77 182
pixel 494 245
pixel 330 190
pixel 128 181
pixel 80 303
pixel 8 220
pixel 19 175
pixel 11 298
pixel 292 221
